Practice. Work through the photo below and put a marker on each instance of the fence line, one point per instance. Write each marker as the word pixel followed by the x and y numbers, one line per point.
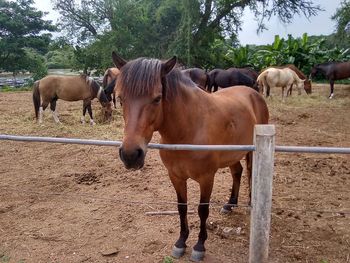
pixel 262 174
pixel 177 147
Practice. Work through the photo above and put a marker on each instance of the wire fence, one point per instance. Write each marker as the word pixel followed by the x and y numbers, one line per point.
pixel 118 201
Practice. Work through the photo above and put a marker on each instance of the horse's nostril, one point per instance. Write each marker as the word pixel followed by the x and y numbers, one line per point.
pixel 139 153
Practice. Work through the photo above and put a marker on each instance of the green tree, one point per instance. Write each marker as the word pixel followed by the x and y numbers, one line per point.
pixel 342 18
pixel 21 27
pixel 198 31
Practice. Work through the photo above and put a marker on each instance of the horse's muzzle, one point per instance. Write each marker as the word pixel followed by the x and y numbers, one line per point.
pixel 134 159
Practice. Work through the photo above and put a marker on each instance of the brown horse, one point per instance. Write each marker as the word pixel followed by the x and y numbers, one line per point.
pixel 69 88
pixel 198 76
pixel 332 71
pixel 276 77
pixel 247 71
pixel 155 96
pixel 108 83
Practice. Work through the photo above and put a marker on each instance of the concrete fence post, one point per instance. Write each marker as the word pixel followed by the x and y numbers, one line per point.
pixel 262 175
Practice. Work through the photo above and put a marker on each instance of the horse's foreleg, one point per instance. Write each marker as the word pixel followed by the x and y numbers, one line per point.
pixel 331 83
pixel 82 119
pixel 216 87
pixel 53 110
pixel 92 122
pixel 289 90
pixel 206 187
pixel 236 172
pixel 283 96
pixel 180 186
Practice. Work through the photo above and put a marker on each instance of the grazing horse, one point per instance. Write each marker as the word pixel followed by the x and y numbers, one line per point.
pixel 70 88
pixel 108 83
pixel 155 96
pixel 301 75
pixel 198 76
pixel 274 77
pixel 225 78
pixel 332 71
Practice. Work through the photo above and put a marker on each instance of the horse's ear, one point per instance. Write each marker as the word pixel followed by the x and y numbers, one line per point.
pixel 168 65
pixel 118 61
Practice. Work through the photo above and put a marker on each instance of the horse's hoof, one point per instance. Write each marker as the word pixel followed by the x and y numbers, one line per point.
pixel 92 123
pixel 178 252
pixel 197 256
pixel 225 210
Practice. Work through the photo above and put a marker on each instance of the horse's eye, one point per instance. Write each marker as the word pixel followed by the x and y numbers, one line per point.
pixel 157 100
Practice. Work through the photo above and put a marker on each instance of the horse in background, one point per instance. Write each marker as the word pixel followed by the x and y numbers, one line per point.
pixel 158 97
pixel 275 77
pixel 69 88
pixel 228 78
pixel 301 75
pixel 307 82
pixel 247 71
pixel 332 71
pixel 108 83
pixel 198 76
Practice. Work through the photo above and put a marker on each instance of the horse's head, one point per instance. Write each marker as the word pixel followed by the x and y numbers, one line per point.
pixel 141 93
pixel 307 86
pixel 107 110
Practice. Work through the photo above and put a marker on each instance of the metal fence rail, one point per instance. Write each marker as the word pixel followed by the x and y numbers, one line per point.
pixel 178 147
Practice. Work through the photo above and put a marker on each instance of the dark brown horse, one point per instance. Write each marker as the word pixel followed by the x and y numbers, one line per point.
pixel 70 88
pixel 198 76
pixel 228 78
pixel 332 71
pixel 247 71
pixel 155 96
pixel 108 83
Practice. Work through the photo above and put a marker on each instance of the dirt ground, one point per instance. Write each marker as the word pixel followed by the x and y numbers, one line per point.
pixel 69 203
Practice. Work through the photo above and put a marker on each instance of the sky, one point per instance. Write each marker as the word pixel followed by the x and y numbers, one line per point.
pixel 317 25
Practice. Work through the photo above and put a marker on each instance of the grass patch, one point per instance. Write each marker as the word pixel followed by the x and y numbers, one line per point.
pixel 14 89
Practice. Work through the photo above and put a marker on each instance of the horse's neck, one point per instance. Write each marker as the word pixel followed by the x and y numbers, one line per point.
pixel 181 113
pixel 324 68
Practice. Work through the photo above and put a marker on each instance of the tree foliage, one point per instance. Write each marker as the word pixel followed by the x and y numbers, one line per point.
pixel 21 37
pixel 303 52
pixel 342 18
pixel 191 29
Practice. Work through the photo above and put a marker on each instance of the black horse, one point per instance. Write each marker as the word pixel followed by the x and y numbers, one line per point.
pixel 332 71
pixel 227 78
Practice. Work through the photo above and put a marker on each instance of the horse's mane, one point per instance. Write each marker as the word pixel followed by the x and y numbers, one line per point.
pixel 141 76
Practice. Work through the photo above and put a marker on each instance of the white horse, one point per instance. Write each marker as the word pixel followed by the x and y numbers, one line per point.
pixel 273 77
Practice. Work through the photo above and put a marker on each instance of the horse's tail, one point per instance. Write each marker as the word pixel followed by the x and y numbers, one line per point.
pixel 262 82
pixel 36 98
